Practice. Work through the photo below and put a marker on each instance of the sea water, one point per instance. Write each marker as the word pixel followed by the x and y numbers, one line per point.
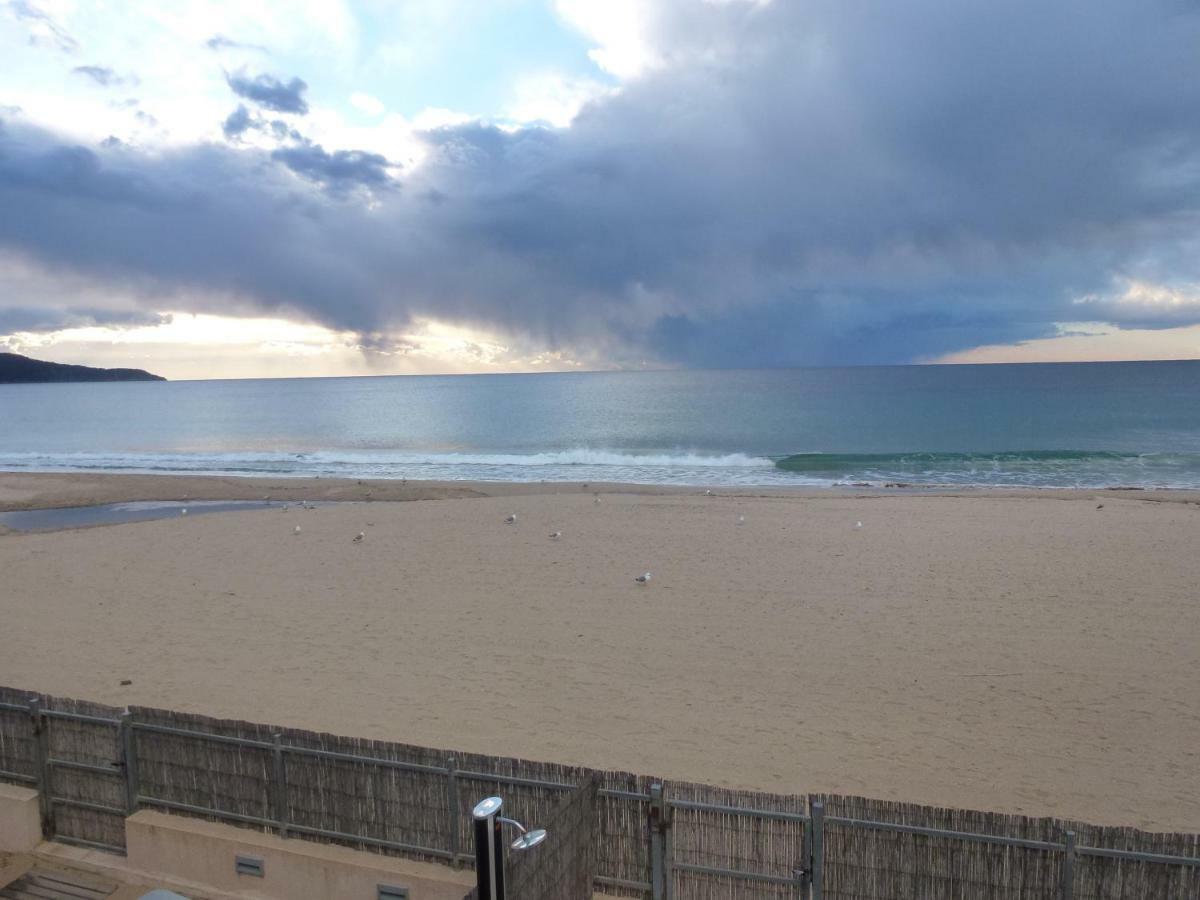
pixel 1052 425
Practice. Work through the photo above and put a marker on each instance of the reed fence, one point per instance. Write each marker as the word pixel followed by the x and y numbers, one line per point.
pixel 93 765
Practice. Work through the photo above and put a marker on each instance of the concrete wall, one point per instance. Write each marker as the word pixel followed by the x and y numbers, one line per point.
pixel 183 849
pixel 20 819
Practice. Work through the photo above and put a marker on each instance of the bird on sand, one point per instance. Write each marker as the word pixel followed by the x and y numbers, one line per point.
pixel 643 579
pixel 858 525
pixel 555 535
pixel 358 537
pixel 511 520
pixel 296 530
pixel 741 520
pixel 596 499
pixel 183 512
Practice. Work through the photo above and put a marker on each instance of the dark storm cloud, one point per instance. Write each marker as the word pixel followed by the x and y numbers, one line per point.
pixel 340 171
pixel 271 93
pixel 801 183
pixel 42 320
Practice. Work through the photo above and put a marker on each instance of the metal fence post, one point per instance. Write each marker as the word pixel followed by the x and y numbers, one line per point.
pixel 279 784
pixel 1068 869
pixel 41 756
pixel 452 806
pixel 806 855
pixel 129 762
pixel 657 813
pixel 668 852
pixel 817 867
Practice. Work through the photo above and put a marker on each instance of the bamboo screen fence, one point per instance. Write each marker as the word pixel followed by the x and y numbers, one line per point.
pixel 416 801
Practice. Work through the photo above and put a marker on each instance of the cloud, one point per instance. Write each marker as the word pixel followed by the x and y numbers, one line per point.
pixel 372 106
pixel 219 42
pixel 237 123
pixel 271 93
pixel 44 30
pixel 102 76
pixel 340 171
pixel 817 183
pixel 41 320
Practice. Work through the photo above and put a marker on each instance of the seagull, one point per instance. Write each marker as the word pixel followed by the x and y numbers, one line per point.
pixel 511 520
pixel 643 579
pixel 358 537
pixel 858 524
pixel 741 520
pixel 555 535
pixel 708 493
pixel 183 512
pixel 296 530
pixel 596 499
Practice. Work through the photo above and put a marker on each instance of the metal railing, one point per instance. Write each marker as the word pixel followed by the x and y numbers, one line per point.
pixel 807 877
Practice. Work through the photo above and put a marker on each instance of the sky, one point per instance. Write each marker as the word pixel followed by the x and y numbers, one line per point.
pixel 257 188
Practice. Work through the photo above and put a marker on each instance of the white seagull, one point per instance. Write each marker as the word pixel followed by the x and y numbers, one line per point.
pixel 596 499
pixel 741 520
pixel 358 537
pixel 296 530
pixel 643 579
pixel 555 535
pixel 858 525
pixel 183 512
pixel 511 520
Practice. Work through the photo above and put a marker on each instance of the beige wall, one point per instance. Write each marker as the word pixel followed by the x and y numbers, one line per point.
pixel 20 819
pixel 183 849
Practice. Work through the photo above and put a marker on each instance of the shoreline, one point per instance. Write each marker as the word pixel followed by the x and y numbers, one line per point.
pixel 45 490
pixel 977 650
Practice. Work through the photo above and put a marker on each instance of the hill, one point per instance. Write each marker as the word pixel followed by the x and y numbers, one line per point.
pixel 17 369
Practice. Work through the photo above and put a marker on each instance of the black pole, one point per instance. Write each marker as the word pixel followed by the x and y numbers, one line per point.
pixel 489 851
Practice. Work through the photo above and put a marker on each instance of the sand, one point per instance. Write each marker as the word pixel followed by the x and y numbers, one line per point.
pixel 1010 651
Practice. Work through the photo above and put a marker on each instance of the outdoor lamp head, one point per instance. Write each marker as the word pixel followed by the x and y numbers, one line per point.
pixel 486 808
pixel 529 839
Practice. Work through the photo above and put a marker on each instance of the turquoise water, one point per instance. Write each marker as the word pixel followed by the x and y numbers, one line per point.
pixel 1100 424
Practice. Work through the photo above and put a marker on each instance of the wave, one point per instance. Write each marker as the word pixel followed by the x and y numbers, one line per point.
pixel 1033 468
pixel 572 457
pixel 1024 468
pixel 838 462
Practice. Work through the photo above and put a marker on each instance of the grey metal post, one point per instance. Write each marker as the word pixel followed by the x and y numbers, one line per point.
pixel 806 854
pixel 818 850
pixel 658 814
pixel 1068 869
pixel 279 785
pixel 452 806
pixel 129 761
pixel 41 756
pixel 668 852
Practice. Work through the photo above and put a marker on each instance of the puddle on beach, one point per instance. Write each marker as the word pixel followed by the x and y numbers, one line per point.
pixel 117 513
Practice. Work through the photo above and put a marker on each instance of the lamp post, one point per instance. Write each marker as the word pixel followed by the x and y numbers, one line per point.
pixel 489 849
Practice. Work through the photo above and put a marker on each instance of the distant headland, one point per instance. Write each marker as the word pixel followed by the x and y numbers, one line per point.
pixel 17 369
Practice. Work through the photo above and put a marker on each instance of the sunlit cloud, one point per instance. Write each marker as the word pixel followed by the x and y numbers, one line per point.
pixel 1088 342
pixel 178 344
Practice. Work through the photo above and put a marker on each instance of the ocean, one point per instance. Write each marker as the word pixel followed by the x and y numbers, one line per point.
pixel 1048 425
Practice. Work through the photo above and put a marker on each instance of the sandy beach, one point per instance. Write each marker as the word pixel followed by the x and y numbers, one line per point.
pixel 1020 652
